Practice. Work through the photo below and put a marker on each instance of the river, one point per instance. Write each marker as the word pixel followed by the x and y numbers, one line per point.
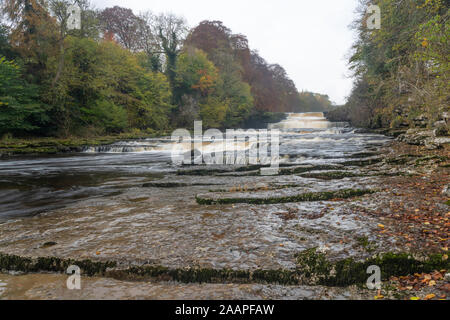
pixel 128 202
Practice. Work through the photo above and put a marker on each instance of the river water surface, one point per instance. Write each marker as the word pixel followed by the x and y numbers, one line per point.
pixel 129 203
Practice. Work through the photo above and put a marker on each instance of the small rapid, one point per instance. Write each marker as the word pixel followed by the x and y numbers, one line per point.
pixel 313 120
pixel 32 185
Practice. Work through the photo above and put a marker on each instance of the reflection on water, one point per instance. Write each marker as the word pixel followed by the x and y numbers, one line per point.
pixel 32 185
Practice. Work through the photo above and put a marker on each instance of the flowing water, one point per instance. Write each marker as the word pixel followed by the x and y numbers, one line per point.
pixel 129 202
pixel 34 185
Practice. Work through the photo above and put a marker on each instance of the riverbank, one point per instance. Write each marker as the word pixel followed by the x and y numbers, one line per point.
pixel 50 146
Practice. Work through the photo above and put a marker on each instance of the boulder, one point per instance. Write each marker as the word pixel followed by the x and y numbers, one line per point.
pixel 421 121
pixel 441 129
pixel 416 137
pixel 446 191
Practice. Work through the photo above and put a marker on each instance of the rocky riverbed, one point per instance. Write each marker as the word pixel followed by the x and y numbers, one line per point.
pixel 342 201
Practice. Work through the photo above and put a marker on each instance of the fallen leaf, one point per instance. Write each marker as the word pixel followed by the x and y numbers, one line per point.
pixel 430 296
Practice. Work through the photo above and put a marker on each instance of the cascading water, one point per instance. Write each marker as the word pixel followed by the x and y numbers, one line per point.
pixel 128 202
pixel 312 120
pixel 52 181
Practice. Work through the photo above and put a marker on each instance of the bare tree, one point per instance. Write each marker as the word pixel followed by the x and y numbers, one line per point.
pixel 123 24
pixel 60 9
pixel 170 32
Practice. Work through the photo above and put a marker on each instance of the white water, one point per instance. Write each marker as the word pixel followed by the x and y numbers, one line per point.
pixel 32 185
pixel 312 120
pixel 303 124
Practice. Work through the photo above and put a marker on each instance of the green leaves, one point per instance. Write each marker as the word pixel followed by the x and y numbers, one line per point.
pixel 18 111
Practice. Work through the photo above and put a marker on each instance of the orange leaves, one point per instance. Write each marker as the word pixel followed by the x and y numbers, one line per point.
pixel 206 81
pixel 418 281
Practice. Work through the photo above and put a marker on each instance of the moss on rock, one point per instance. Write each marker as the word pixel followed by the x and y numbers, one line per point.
pixel 303 197
pixel 331 175
pixel 315 267
pixel 51 264
pixel 312 268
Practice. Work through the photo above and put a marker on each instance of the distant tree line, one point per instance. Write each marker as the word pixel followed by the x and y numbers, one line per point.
pixel 122 72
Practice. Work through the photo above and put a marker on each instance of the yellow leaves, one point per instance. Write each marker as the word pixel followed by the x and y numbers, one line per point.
pixel 381 226
pixel 444 257
pixel 425 43
pixel 432 283
pixel 379 296
pixel 430 296
pixel 414 298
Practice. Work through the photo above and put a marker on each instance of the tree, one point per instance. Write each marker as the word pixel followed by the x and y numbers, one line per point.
pixel 33 33
pixel 60 8
pixel 5 46
pixel 195 73
pixel 19 111
pixel 171 32
pixel 123 24
pixel 395 67
pixel 148 40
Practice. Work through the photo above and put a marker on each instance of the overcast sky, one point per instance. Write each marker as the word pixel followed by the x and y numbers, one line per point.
pixel 309 38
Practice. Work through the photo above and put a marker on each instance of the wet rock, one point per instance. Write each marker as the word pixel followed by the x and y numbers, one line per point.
pixel 421 121
pixel 437 143
pixel 174 184
pixel 441 129
pixel 362 163
pixel 364 154
pixel 215 199
pixel 330 175
pixel 307 168
pixel 431 145
pixel 431 139
pixel 49 244
pixel 317 269
pixel 416 137
pixel 446 191
pixel 363 130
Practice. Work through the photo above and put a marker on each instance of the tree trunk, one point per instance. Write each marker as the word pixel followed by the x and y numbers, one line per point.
pixel 60 64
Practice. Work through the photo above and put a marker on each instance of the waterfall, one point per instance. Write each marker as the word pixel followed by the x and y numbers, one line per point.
pixel 308 120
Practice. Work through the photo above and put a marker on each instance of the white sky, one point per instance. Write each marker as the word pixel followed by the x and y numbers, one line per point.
pixel 309 38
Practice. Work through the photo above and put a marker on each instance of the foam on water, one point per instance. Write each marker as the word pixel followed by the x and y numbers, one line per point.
pixel 312 120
